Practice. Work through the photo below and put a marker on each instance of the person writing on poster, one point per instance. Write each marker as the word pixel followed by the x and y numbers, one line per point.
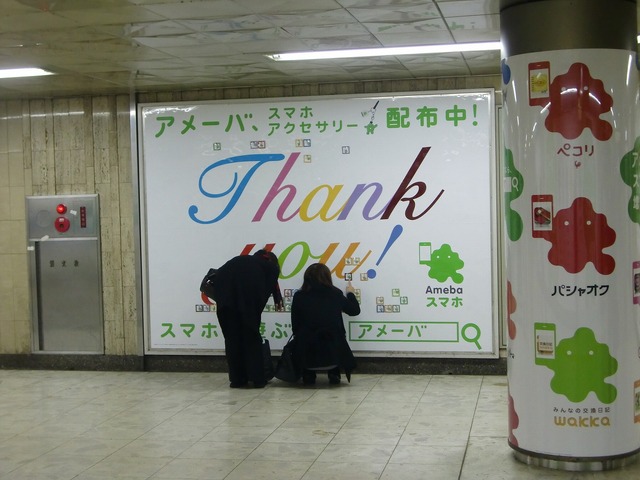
pixel 318 328
pixel 242 288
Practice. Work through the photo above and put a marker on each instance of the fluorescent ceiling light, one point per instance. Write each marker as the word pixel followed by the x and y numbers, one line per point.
pixel 379 52
pixel 23 72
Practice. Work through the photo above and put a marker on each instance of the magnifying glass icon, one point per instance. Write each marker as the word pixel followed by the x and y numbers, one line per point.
pixel 474 337
pixel 514 184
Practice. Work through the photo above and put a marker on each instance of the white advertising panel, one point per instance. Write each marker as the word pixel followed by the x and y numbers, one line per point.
pixel 392 192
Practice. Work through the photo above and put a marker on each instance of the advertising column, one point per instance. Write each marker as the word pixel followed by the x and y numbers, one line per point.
pixel 572 217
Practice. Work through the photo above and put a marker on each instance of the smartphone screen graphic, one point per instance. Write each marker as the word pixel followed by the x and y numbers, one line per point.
pixel 545 338
pixel 636 401
pixel 541 214
pixel 636 283
pixel 424 252
pixel 539 81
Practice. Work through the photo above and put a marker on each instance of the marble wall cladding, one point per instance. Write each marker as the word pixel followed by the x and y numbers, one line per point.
pixel 57 147
pixel 83 145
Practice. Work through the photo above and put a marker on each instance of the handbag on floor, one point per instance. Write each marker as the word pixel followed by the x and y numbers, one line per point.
pixel 266 358
pixel 286 368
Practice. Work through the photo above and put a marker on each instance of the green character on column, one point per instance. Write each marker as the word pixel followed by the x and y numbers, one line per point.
pixel 514 183
pixel 630 173
pixel 581 365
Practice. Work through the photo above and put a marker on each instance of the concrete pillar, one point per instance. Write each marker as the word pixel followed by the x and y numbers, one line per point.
pixel 572 221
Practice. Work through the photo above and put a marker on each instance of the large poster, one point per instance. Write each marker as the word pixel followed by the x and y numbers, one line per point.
pixel 393 193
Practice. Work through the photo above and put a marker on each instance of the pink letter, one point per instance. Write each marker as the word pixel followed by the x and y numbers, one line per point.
pixel 276 188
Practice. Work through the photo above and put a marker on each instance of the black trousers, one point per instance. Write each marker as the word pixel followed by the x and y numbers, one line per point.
pixel 310 375
pixel 243 345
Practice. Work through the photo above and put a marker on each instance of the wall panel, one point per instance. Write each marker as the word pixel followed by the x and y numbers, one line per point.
pixel 82 145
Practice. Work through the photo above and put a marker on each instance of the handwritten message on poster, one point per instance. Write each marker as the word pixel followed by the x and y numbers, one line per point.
pixel 392 193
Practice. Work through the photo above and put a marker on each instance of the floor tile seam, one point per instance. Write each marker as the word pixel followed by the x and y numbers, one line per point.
pixel 378 380
pixel 111 417
pixel 39 456
pixel 164 437
pixel 96 377
pixel 164 464
pixel 182 410
pixel 466 448
pixel 246 457
pixel 204 393
pixel 283 421
pixel 464 459
pixel 37 424
pixel 360 402
pixel 47 453
pixel 111 454
pixel 343 426
pixel 122 448
pixel 77 384
pixel 14 469
pixel 317 461
pixel 102 424
pixel 404 430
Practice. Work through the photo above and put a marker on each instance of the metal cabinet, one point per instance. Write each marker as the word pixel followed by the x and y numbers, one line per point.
pixel 65 273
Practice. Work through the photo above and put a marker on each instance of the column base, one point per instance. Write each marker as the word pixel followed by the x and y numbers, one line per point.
pixel 576 464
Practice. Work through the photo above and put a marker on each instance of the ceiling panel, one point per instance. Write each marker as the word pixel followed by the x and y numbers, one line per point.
pixel 119 46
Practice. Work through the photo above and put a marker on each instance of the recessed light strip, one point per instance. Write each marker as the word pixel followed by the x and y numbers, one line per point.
pixel 379 52
pixel 23 72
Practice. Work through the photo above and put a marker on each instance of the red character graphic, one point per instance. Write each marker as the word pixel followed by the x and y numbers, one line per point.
pixel 511 308
pixel 576 102
pixel 579 235
pixel 514 421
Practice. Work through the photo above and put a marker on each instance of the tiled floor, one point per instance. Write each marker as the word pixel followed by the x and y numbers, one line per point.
pixel 58 425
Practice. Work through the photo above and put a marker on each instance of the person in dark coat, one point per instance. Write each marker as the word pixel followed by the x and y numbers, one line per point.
pixel 316 320
pixel 242 288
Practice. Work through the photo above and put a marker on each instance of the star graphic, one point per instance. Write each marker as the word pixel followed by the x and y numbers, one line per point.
pixel 370 127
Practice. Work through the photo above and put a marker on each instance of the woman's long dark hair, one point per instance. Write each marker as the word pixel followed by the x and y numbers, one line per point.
pixel 270 256
pixel 316 275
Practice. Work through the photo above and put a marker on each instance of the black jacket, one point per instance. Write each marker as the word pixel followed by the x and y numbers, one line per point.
pixel 245 283
pixel 318 327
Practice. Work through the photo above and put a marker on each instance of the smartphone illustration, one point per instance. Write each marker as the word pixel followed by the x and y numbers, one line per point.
pixel 541 214
pixel 539 81
pixel 636 282
pixel 424 252
pixel 545 341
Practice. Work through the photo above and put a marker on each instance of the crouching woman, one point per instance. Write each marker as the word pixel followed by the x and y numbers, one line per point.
pixel 318 326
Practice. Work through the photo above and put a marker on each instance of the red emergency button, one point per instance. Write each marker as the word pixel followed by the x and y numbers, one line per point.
pixel 62 224
pixel 61 208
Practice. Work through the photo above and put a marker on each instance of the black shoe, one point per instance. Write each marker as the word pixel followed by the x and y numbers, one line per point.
pixel 237 384
pixel 334 379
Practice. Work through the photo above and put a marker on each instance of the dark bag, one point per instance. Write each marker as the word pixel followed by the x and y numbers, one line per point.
pixel 286 369
pixel 266 358
pixel 206 286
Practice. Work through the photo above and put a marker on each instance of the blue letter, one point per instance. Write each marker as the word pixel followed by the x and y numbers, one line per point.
pixel 237 188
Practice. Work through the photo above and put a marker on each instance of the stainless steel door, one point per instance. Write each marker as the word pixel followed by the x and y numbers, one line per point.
pixel 70 305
